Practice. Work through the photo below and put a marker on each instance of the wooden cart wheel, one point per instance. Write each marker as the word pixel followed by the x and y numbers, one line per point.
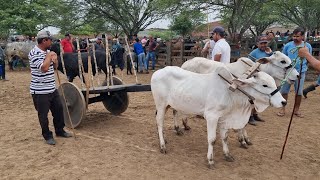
pixel 74 101
pixel 117 102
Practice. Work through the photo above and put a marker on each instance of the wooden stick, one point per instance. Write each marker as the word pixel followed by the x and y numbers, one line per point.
pixel 134 69
pixel 107 59
pixel 95 62
pixel 65 102
pixel 79 62
pixel 62 61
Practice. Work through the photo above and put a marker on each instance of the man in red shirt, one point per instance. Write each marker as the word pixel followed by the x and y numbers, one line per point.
pixel 67 44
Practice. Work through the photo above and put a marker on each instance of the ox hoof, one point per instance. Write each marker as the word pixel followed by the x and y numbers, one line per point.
pixel 228 158
pixel 187 128
pixel 210 166
pixel 163 151
pixel 248 142
pixel 179 132
pixel 244 145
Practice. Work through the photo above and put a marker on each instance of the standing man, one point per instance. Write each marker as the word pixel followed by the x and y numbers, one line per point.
pixel 262 51
pixel 43 88
pixel 272 42
pixel 221 51
pixel 67 44
pixel 3 65
pixel 138 49
pixel 99 45
pixel 152 52
pixel 291 51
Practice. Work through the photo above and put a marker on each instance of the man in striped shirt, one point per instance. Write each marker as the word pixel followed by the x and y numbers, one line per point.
pixel 43 88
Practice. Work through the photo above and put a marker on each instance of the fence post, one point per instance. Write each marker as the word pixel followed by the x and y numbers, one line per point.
pixel 182 51
pixel 169 48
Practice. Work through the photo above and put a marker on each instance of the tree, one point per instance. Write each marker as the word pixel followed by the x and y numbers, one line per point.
pixel 132 15
pixel 304 13
pixel 187 21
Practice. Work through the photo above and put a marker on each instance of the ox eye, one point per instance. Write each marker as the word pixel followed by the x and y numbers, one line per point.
pixel 265 85
pixel 283 62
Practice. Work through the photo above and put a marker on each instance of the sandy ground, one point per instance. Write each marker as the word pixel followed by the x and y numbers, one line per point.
pixel 126 146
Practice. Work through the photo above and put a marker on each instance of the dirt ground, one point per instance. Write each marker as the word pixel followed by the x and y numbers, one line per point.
pixel 127 146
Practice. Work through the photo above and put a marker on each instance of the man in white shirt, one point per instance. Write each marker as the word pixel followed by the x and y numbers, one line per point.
pixel 221 51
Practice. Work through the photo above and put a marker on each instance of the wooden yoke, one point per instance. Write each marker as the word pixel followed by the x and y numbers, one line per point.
pixel 246 75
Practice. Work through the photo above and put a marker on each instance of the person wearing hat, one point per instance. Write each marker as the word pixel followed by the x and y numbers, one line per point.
pixel 99 45
pixel 43 88
pixel 221 51
pixel 67 44
pixel 262 51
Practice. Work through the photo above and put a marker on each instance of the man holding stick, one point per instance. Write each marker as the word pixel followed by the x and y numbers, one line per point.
pixel 43 88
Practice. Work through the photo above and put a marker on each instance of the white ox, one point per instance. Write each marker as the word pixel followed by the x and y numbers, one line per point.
pixel 208 95
pixel 278 66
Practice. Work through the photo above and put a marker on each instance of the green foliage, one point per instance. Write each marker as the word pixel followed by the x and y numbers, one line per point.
pixel 164 35
pixel 187 21
pixel 304 13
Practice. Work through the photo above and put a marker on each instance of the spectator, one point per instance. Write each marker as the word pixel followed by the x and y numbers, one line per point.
pixel 262 51
pixel 117 56
pixel 43 88
pixel 67 44
pixel 221 51
pixel 272 42
pixel 208 47
pixel 152 52
pixel 138 49
pixel 288 50
pixel 99 45
pixel 3 65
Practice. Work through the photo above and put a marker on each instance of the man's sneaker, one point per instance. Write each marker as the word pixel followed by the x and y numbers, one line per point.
pixel 257 118
pixel 252 121
pixel 64 134
pixel 51 141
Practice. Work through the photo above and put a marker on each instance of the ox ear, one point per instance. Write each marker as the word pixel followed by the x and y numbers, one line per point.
pixel 263 60
pixel 243 82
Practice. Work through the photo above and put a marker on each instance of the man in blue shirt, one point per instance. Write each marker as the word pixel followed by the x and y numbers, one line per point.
pixel 138 49
pixel 291 51
pixel 262 51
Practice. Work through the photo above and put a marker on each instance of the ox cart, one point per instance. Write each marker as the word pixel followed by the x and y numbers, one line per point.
pixel 114 98
pixel 113 94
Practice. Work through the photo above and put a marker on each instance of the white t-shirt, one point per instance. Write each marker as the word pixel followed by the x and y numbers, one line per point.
pixel 223 48
pixel 210 43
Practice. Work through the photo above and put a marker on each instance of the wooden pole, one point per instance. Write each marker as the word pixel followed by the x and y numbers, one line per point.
pixel 62 61
pixel 65 102
pixel 79 62
pixel 134 69
pixel 107 60
pixel 95 62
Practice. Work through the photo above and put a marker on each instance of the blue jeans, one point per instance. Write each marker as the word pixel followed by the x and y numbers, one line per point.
pixel 142 62
pixel 286 87
pixel 318 81
pixel 152 55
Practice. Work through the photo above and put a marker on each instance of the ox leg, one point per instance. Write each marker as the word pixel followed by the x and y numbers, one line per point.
pixel 241 139
pixel 224 138
pixel 246 137
pixel 185 124
pixel 160 119
pixel 211 129
pixel 176 124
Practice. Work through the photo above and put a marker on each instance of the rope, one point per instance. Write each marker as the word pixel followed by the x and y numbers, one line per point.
pixel 95 62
